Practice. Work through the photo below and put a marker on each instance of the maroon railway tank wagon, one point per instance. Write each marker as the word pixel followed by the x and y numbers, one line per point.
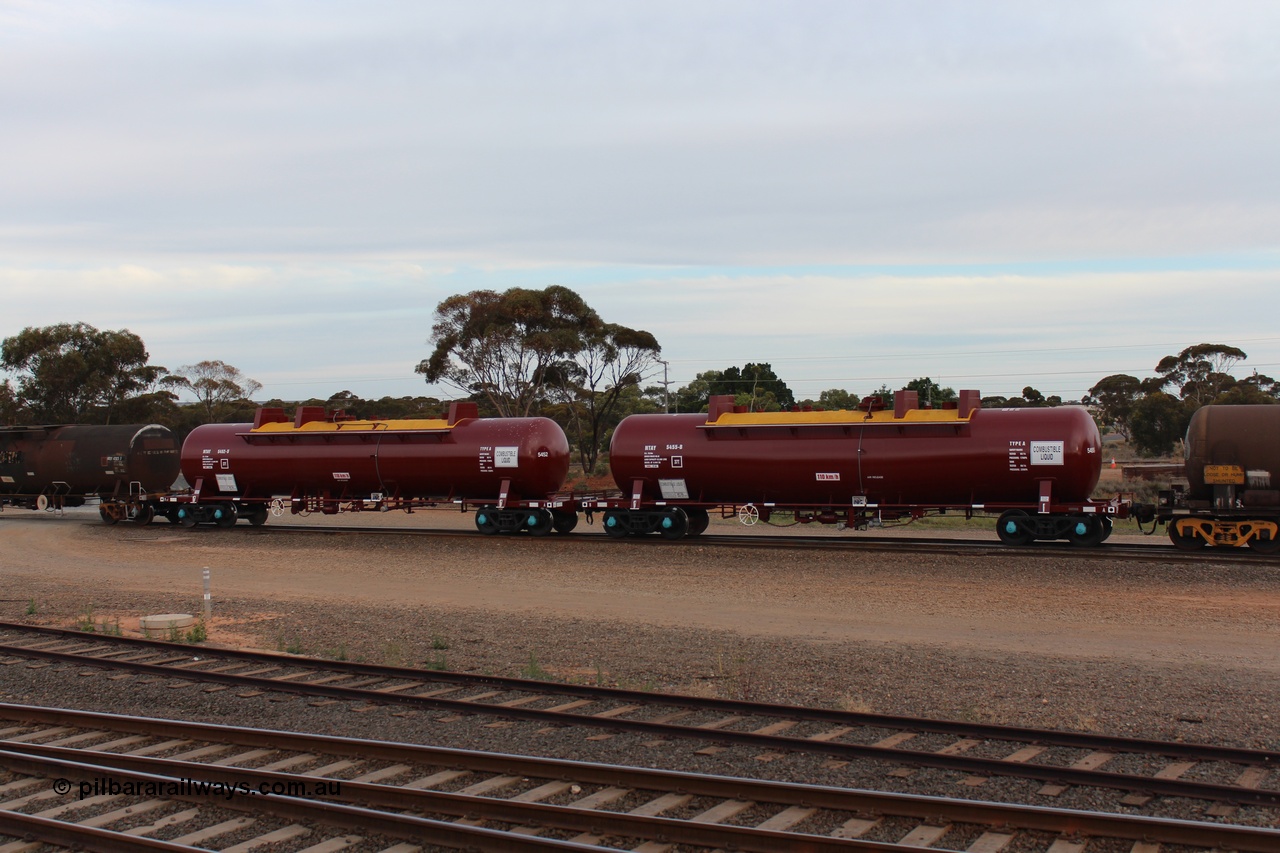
pixel 50 467
pixel 1233 475
pixel 317 462
pixel 1036 468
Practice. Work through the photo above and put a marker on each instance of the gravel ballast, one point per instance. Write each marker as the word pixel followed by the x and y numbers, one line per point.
pixel 1178 652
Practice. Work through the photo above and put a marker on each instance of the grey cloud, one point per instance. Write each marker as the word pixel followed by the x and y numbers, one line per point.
pixel 645 132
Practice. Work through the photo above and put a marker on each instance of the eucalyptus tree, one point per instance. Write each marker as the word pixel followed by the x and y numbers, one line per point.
pixel 217 386
pixel 591 383
pixel 522 350
pixel 73 372
pixel 1201 372
pixel 930 391
pixel 755 386
pixel 1158 423
pixel 1115 397
pixel 502 346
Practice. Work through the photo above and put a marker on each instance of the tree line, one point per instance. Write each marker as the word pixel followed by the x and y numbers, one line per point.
pixel 75 373
pixel 1153 413
pixel 523 352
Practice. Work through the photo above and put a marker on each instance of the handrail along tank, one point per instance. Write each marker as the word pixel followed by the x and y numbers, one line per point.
pixel 318 461
pixel 63 465
pixel 1233 476
pixel 857 462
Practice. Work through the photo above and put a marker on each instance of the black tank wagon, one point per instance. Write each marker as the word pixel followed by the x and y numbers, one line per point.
pixel 60 465
pixel 1233 475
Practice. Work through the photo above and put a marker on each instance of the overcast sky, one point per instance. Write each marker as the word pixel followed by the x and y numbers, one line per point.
pixel 992 194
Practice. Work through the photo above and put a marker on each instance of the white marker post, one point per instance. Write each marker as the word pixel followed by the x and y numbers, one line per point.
pixel 208 599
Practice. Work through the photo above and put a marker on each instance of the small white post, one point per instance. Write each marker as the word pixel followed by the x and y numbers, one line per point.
pixel 208 599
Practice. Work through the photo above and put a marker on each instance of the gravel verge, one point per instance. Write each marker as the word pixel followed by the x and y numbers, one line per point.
pixel 394 601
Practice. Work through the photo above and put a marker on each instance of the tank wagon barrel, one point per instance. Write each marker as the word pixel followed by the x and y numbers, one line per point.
pixel 329 463
pixel 1033 468
pixel 1233 475
pixel 1036 467
pixel 55 466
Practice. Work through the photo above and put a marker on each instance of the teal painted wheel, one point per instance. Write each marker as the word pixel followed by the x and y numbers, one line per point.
pixel 538 522
pixel 1012 528
pixel 674 524
pixel 615 524
pixel 225 516
pixel 486 523
pixel 1085 531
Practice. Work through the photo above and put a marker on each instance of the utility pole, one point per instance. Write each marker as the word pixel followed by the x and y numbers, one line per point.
pixel 666 392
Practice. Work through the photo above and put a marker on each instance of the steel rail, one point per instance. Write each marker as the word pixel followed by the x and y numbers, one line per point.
pixel 983 731
pixel 1162 552
pixel 347 817
pixel 1157 551
pixel 1019 817
pixel 1154 785
pixel 76 837
pixel 70 764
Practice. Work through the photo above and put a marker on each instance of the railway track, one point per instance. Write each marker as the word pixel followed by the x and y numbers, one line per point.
pixel 1158 549
pixel 106 782
pixel 1046 763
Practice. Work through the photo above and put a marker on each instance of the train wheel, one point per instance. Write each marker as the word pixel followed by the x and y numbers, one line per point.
pixel 1011 528
pixel 1085 532
pixel 258 516
pixel 1265 546
pixel 1107 526
pixel 538 522
pixel 186 517
pixel 615 525
pixel 564 522
pixel 674 524
pixel 107 517
pixel 486 523
pixel 1188 541
pixel 225 516
pixel 699 520
pixel 143 516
